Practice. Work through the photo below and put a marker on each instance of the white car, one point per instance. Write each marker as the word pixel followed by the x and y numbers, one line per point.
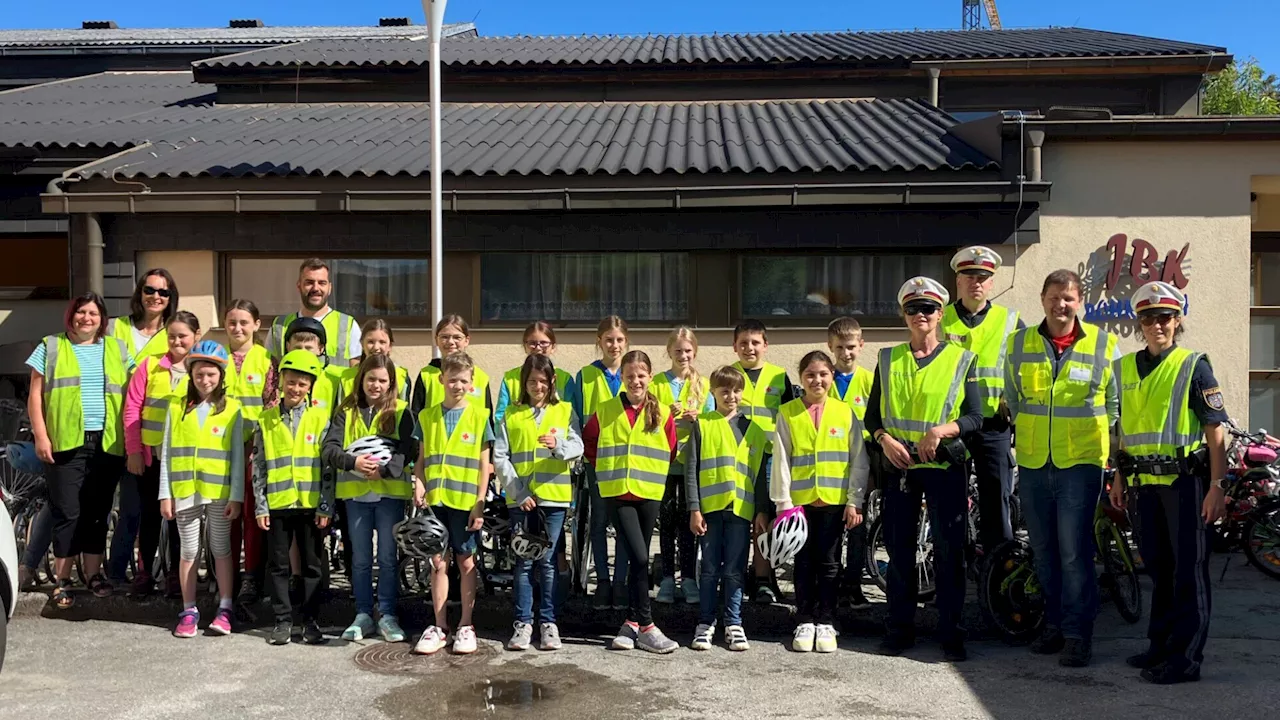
pixel 8 574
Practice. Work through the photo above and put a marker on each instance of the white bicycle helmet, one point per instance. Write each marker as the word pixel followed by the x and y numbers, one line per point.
pixel 377 447
pixel 528 543
pixel 782 543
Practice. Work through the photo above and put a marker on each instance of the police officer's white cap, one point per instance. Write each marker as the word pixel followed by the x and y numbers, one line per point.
pixel 923 288
pixel 976 259
pixel 1158 296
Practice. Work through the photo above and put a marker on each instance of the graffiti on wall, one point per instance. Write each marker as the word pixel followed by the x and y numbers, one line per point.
pixel 1125 266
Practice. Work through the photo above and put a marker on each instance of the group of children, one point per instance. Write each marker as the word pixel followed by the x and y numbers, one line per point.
pixel 715 457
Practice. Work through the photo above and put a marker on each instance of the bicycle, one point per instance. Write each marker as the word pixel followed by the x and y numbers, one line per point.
pixel 1112 537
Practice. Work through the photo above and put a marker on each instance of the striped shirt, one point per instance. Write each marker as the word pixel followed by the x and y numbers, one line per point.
pixel 92 381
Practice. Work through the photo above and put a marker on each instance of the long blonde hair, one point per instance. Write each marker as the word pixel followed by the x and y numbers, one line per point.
pixel 694 381
pixel 611 322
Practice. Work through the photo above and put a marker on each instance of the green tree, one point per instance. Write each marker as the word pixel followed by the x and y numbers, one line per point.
pixel 1242 88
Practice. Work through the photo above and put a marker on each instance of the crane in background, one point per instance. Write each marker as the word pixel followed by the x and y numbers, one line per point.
pixel 973 11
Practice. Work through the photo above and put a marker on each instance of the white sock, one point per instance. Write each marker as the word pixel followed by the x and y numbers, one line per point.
pixel 225 603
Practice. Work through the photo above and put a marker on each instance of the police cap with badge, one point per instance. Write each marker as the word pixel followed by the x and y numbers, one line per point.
pixel 976 260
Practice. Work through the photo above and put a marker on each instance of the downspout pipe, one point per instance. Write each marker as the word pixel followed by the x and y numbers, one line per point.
pixel 933 85
pixel 1035 156
pixel 93 237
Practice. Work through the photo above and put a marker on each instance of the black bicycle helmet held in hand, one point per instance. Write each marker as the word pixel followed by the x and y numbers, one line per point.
pixel 422 536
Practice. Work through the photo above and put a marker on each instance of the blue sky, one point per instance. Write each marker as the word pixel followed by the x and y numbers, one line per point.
pixel 1245 27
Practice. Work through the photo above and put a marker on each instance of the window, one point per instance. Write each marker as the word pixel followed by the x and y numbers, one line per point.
pixel 1264 341
pixel 816 286
pixel 1264 283
pixel 584 287
pixel 1264 402
pixel 35 269
pixel 363 287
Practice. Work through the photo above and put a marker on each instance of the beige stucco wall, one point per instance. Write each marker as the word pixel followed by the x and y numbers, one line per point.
pixel 195 271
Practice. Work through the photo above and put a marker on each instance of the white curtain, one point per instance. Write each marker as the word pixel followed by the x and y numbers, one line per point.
pixel 842 285
pixel 584 287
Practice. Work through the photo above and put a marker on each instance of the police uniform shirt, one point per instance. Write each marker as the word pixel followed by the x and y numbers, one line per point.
pixel 1205 399
pixel 973 320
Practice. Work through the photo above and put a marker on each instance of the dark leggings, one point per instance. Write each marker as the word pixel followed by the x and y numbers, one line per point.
pixel 149 525
pixel 633 522
pixel 82 487
pixel 818 565
pixel 673 528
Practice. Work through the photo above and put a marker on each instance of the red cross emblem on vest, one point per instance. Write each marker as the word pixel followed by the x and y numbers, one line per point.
pixel 466 437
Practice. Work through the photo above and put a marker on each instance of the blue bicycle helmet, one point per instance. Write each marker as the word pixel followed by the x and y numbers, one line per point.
pixel 210 352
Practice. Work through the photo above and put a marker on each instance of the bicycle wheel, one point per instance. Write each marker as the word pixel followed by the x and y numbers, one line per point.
pixel 1122 578
pixel 878 557
pixel 1262 539
pixel 415 577
pixel 1009 593
pixel 580 537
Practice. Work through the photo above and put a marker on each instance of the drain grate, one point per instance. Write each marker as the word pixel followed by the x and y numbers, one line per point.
pixel 396 659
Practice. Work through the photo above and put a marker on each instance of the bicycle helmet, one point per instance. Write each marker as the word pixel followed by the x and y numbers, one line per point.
pixel 301 361
pixel 528 543
pixel 421 536
pixel 496 519
pixel 22 456
pixel 306 324
pixel 782 543
pixel 208 351
pixel 379 448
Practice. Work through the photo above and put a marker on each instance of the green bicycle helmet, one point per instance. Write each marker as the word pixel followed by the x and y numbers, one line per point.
pixel 301 361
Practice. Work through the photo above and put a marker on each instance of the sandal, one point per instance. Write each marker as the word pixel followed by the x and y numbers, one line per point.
pixel 100 587
pixel 62 596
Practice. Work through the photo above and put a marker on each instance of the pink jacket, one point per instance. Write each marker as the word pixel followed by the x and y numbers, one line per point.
pixel 134 397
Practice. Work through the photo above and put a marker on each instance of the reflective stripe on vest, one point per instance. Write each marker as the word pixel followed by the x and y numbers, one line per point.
pixel 200 457
pixel 1156 421
pixel 857 393
pixel 160 391
pixel 727 469
pixel 547 476
pixel 347 383
pixel 293 458
pixel 913 400
pixel 246 384
pixel 337 335
pixel 819 455
pixel 661 388
pixel 352 484
pixel 761 400
pixel 157 346
pixel 988 342
pixel 595 390
pixel 1060 419
pixel 431 380
pixel 630 459
pixel 63 410
pixel 452 462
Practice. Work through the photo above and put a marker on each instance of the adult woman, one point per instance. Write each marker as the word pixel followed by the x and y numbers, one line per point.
pixel 142 332
pixel 1171 415
pixel 924 395
pixel 77 385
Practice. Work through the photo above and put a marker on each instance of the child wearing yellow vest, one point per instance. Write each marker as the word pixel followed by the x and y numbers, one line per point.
pixel 154 382
pixel 852 385
pixel 453 335
pixel 767 388
pixel 631 440
pixel 818 463
pixel 376 338
pixel 247 381
pixel 534 449
pixel 539 339
pixel 452 477
pixel 309 334
pixel 374 492
pixel 687 395
pixel 201 471
pixel 293 497
pixel 726 479
pixel 598 382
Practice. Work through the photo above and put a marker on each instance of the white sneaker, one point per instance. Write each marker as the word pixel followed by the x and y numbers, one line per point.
pixel 702 636
pixel 826 640
pixel 464 641
pixel 736 638
pixel 626 639
pixel 432 641
pixel 522 638
pixel 802 641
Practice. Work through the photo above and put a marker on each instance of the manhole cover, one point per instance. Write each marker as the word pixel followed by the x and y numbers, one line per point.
pixel 396 659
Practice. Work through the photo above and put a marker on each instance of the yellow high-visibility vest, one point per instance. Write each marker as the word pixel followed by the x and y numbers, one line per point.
pixel 511 381
pixel 158 345
pixel 338 328
pixel 548 476
pixel 1156 421
pixel 857 393
pixel 761 399
pixel 595 390
pixel 293 458
pixel 200 457
pixel 727 468
pixel 453 461
pixel 913 399
pixel 63 412
pixel 988 342
pixel 160 392
pixel 661 387
pixel 819 455
pixel 433 382
pixel 630 459
pixel 1061 419
pixel 246 384
pixel 352 484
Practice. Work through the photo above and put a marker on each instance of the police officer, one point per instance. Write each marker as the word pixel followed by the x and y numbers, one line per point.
pixel 924 396
pixel 1171 415
pixel 342 344
pixel 983 328
pixel 1062 398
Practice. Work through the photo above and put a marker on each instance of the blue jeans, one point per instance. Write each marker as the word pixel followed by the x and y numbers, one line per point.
pixel 1059 505
pixel 724 555
pixel 600 537
pixel 544 570
pixel 126 527
pixel 40 539
pixel 363 519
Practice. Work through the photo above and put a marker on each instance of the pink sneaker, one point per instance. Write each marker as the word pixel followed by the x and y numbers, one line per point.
pixel 221 624
pixel 187 622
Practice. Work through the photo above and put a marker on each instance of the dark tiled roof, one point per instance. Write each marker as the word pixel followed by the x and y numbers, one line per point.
pixel 351 139
pixel 211 36
pixel 91 111
pixel 720 49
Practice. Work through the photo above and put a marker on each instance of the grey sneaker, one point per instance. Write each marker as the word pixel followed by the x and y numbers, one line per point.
pixel 522 638
pixel 549 637
pixel 389 628
pixel 666 591
pixel 654 641
pixel 626 639
pixel 362 627
pixel 689 587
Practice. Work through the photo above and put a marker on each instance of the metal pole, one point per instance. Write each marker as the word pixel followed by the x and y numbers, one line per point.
pixel 437 198
pixel 93 254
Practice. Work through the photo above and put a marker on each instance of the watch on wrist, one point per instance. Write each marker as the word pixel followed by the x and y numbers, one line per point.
pixel 1220 483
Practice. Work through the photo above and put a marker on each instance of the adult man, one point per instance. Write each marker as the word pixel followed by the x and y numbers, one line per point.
pixel 1062 396
pixel 983 328
pixel 342 345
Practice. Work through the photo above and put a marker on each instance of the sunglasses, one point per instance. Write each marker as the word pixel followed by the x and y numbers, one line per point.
pixel 148 290
pixel 1161 318
pixel 920 309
